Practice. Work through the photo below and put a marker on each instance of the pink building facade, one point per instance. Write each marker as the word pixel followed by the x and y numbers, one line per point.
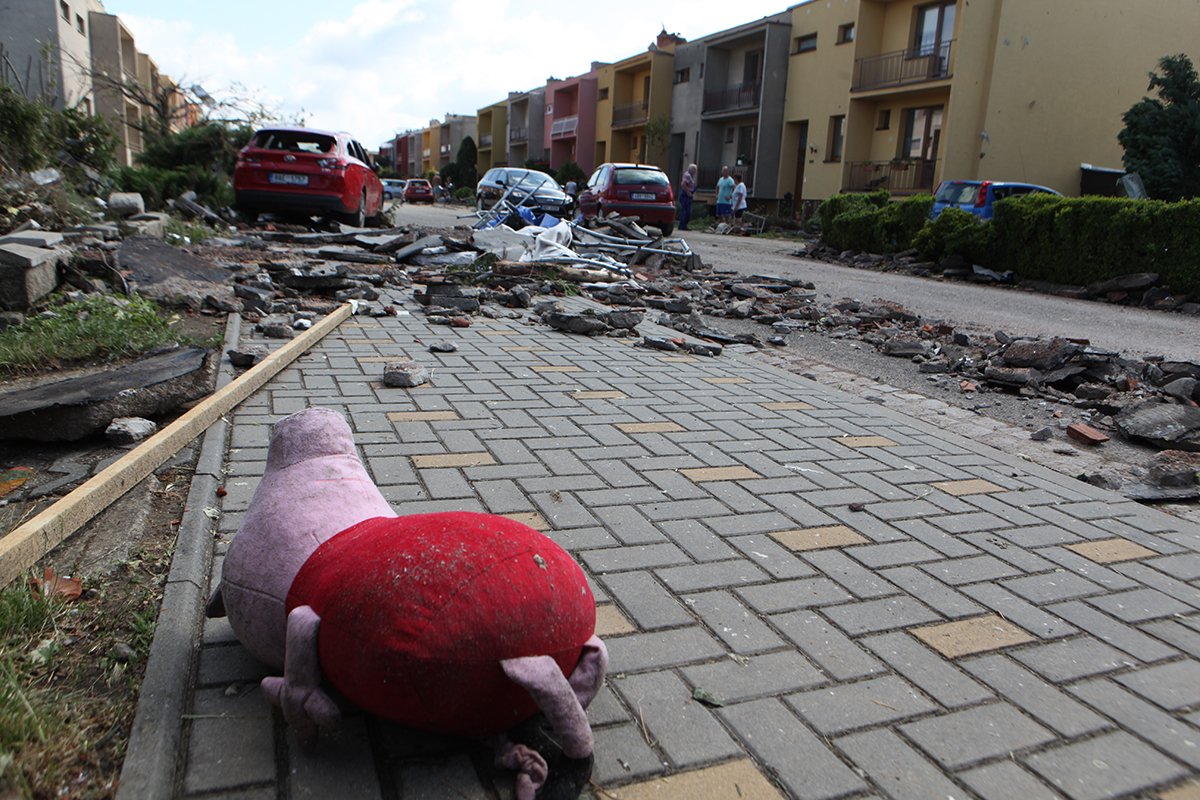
pixel 570 121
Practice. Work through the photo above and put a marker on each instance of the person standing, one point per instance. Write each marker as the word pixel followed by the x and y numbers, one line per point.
pixel 687 190
pixel 739 201
pixel 724 196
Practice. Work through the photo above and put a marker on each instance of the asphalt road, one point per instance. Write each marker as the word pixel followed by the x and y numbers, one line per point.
pixel 971 307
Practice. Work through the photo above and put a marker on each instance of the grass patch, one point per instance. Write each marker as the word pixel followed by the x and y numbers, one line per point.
pixel 95 328
pixel 26 619
pixel 180 233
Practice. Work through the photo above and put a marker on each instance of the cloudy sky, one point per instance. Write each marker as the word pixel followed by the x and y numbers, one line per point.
pixel 375 67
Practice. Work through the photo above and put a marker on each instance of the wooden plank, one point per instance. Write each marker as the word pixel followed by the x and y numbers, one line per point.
pixel 25 545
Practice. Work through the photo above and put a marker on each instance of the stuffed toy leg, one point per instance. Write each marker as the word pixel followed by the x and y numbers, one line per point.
pixel 314 487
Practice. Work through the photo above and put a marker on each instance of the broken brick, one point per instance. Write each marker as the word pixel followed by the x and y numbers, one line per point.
pixel 1086 434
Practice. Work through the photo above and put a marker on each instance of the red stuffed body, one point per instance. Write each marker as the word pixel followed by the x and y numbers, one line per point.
pixel 417 612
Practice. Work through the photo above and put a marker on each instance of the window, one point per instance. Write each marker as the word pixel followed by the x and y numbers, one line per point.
pixel 805 44
pixel 752 67
pixel 602 94
pixel 845 33
pixel 922 132
pixel 729 135
pixel 65 10
pixel 683 75
pixel 549 109
pixel 885 119
pixel 79 25
pixel 837 135
pixel 934 28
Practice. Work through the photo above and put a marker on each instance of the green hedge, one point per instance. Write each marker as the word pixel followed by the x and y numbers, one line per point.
pixel 955 232
pixel 1080 240
pixel 870 222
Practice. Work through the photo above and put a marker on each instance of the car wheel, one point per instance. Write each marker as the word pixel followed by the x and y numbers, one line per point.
pixel 667 228
pixel 358 218
pixel 250 215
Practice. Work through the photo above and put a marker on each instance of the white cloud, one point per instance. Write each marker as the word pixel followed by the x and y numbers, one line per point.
pixel 386 65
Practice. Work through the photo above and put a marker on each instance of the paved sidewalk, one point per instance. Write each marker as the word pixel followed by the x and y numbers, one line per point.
pixel 884 609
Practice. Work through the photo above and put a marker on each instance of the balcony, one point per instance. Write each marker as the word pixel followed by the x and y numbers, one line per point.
pixel 741 97
pixel 898 176
pixel 518 135
pixel 564 127
pixel 625 116
pixel 485 140
pixel 902 68
pixel 426 152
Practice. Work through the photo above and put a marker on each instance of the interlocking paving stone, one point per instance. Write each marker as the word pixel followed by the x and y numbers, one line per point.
pixel 733 681
pixel 1139 605
pixel 1179 590
pixel 1104 767
pixel 1111 551
pixel 1161 729
pixel 975 734
pixel 617 559
pixel 611 622
pixel 941 598
pixel 968 487
pixel 1068 558
pixel 897 769
pixel 343 765
pixel 1045 703
pixel 1012 608
pixel 970 570
pixel 1072 659
pixel 1172 686
pixel 1184 567
pixel 861 582
pixel 738 779
pixel 865 441
pixel 874 616
pixel 770 598
pixel 818 538
pixel 1005 780
pixel 684 729
pixel 1118 634
pixel 970 636
pixel 892 554
pixel 453 460
pixel 1052 587
pixel 658 649
pixel 649 604
pixel 231 742
pixel 833 652
pixel 934 675
pixel 771 556
pixel 421 416
pixel 1186 791
pixel 798 759
pixel 229 664
pixel 606 709
pixel 717 574
pixel 621 753
pixel 733 623
pixel 1176 634
pixel 847 706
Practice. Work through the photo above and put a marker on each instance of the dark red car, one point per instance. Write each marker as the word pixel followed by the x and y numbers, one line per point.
pixel 307 172
pixel 418 190
pixel 632 190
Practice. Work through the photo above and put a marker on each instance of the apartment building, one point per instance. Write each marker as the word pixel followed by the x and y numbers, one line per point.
pixel 569 121
pixel 46 49
pixel 451 132
pixel 901 94
pixel 526 126
pixel 728 102
pixel 633 104
pixel 491 140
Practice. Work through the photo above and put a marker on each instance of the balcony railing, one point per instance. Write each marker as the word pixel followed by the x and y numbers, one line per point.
pixel 517 135
pixel 634 114
pixel 903 67
pixel 564 127
pixel 741 96
pixel 445 149
pixel 908 176
pixel 485 140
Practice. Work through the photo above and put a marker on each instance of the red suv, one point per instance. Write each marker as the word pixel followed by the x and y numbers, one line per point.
pixel 633 190
pixel 309 172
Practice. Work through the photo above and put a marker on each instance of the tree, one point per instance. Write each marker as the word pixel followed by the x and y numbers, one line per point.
pixel 467 154
pixel 1161 137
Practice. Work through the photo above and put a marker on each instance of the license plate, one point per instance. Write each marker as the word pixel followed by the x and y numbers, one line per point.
pixel 642 195
pixel 284 177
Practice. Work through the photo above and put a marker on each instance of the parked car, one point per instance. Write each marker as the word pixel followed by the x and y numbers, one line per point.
pixel 393 188
pixel 979 197
pixel 529 187
pixel 634 190
pixel 418 190
pixel 308 172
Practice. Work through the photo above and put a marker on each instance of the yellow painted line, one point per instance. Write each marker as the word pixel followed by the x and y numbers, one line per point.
pixel 22 548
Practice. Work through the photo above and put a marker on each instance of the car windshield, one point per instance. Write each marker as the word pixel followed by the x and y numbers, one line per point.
pixel 640 176
pixel 956 193
pixel 301 141
pixel 532 180
pixel 419 184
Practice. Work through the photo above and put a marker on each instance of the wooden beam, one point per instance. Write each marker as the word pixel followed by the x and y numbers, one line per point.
pixel 24 546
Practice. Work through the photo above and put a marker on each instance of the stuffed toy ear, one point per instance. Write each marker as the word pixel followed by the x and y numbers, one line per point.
pixel 541 677
pixel 588 675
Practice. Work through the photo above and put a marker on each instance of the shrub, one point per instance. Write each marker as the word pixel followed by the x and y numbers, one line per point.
pixel 955 232
pixel 569 171
pixel 872 223
pixel 854 229
pixel 901 220
pixel 34 135
pixel 464 193
pixel 841 203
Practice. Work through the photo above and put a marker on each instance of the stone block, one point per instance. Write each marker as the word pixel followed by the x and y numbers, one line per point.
pixel 44 239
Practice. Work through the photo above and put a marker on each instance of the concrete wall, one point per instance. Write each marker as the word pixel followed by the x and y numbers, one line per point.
pixel 50 55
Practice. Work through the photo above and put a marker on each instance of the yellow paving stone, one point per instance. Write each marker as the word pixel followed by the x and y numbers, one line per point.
pixel 599 394
pixel 865 441
pixel 819 538
pixel 1187 791
pixel 499 332
pixel 972 486
pixel 557 369
pixel 531 518
pixel 736 780
pixel 726 380
pixel 453 460
pixel 525 348
pixel 611 622
pixel 968 636
pixel 650 427
pixel 793 406
pixel 1110 551
pixel 704 474
pixel 422 416
pixel 678 359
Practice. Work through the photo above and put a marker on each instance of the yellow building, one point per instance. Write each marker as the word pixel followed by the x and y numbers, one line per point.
pixel 492 137
pixel 430 138
pixel 633 105
pixel 901 94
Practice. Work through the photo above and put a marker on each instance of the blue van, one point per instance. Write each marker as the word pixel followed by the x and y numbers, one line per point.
pixel 979 197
